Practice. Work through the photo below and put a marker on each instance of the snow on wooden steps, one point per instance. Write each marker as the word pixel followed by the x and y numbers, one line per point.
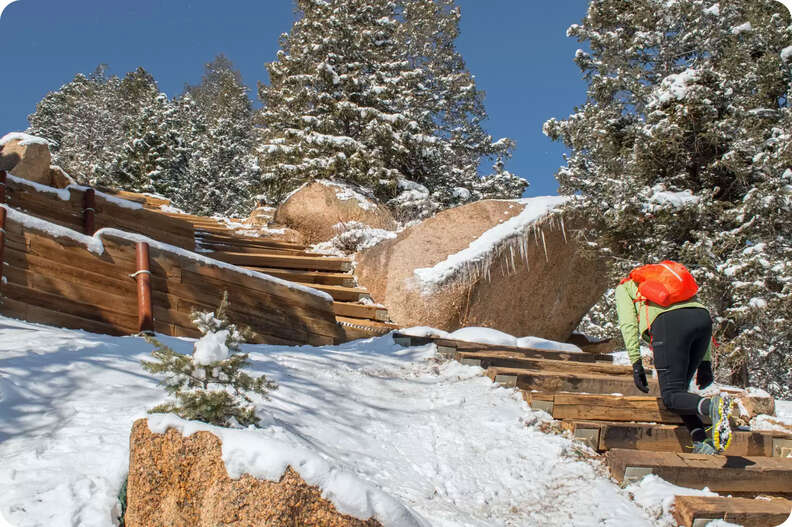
pixel 539 360
pixel 746 475
pixel 604 435
pixel 698 511
pixel 555 381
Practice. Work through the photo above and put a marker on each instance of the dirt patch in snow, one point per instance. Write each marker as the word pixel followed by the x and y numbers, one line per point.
pixel 182 481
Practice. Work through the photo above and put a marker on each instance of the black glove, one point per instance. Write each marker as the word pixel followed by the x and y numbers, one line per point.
pixel 639 376
pixel 704 375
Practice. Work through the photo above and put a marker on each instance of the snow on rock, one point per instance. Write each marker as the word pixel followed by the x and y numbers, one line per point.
pixel 378 421
pixel 345 192
pixel 483 248
pixel 714 10
pixel 786 53
pixel 24 139
pixel 249 452
pixel 211 348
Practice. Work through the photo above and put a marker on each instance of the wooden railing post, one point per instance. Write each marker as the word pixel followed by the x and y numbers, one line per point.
pixel 2 241
pixel 89 212
pixel 2 222
pixel 143 278
pixel 2 186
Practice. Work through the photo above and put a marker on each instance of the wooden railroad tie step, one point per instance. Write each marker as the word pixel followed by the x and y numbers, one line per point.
pixel 309 263
pixel 451 347
pixel 554 381
pixel 745 475
pixel 308 277
pixel 510 359
pixel 348 309
pixel 596 407
pixel 341 293
pixel 698 511
pixel 605 436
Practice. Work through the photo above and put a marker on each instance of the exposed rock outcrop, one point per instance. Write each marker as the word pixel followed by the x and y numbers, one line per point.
pixel 26 157
pixel 182 482
pixel 316 208
pixel 533 282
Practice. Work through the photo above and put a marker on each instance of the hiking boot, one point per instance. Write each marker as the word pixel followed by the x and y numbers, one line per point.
pixel 720 411
pixel 704 447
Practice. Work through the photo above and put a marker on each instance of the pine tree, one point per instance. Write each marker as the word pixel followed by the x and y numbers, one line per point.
pixel 680 152
pixel 222 165
pixel 210 385
pixel 375 94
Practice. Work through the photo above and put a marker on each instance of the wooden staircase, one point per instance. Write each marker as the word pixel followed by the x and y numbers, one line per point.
pixel 353 306
pixel 596 401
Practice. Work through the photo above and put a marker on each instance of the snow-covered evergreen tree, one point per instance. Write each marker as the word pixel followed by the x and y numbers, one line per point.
pixel 680 151
pixel 374 93
pixel 209 385
pixel 83 121
pixel 222 164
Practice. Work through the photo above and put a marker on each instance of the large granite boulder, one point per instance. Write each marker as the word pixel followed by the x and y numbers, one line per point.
pixel 183 482
pixel 317 208
pixel 507 265
pixel 26 157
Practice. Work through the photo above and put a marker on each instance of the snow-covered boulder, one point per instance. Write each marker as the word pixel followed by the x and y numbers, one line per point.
pixel 178 480
pixel 26 157
pixel 316 208
pixel 508 265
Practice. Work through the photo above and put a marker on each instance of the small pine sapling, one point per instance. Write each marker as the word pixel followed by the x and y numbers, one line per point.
pixel 209 385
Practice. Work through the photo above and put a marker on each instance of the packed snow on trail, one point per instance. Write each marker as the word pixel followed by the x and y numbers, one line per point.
pixel 439 444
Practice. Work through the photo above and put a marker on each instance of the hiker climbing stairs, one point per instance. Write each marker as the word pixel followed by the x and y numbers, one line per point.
pixel 597 403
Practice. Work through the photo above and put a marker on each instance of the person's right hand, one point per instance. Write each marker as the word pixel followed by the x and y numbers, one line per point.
pixel 639 376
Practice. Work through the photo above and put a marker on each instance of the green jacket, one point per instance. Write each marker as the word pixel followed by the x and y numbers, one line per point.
pixel 635 318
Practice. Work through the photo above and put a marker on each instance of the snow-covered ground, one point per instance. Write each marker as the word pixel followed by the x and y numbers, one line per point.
pixel 436 437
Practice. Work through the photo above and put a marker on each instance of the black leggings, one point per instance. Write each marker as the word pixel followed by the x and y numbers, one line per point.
pixel 680 339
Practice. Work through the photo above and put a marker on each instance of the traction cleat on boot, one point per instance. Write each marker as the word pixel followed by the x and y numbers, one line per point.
pixel 704 447
pixel 720 410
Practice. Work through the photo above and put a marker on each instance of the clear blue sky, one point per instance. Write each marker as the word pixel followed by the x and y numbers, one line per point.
pixel 517 49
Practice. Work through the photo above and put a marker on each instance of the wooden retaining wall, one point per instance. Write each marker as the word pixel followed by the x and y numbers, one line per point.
pixel 52 277
pixel 82 203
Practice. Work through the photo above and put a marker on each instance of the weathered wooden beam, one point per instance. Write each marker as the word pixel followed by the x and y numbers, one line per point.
pixel 733 474
pixel 595 407
pixel 341 293
pixel 695 511
pixel 509 359
pixel 346 309
pixel 555 382
pixel 308 277
pixel 310 263
pixel 671 438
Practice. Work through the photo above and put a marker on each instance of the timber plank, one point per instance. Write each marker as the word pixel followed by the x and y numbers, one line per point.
pixel 612 408
pixel 308 277
pixel 13 308
pixel 229 238
pixel 670 438
pixel 246 248
pixel 554 382
pixel 309 263
pixel 733 474
pixel 742 511
pixel 465 346
pixel 373 312
pixel 508 359
pixel 341 293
